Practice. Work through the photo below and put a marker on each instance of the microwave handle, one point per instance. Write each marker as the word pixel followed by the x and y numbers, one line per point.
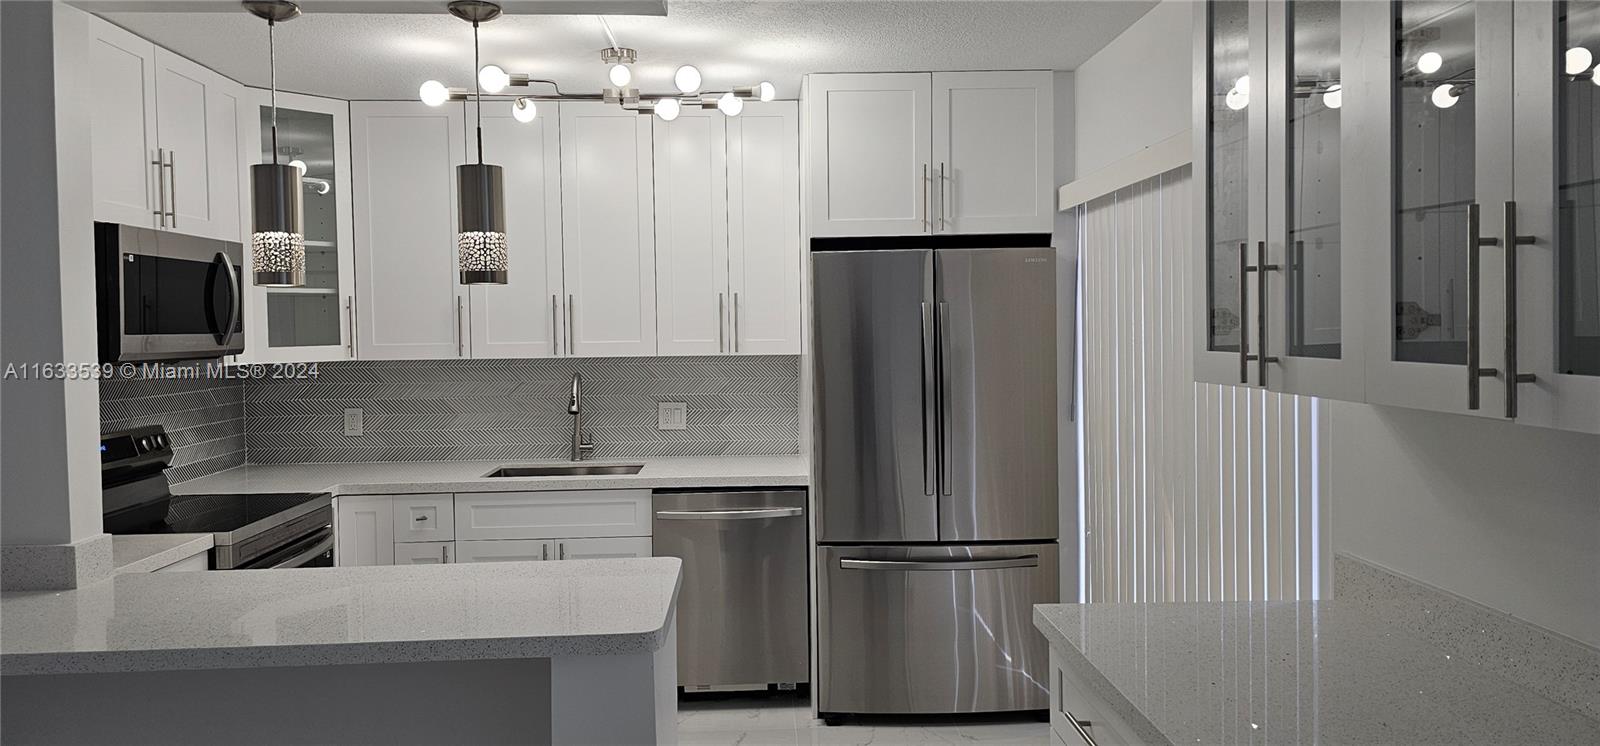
pixel 233 294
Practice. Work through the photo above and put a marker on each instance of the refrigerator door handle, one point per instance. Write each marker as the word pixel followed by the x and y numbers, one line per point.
pixel 946 413
pixel 1027 560
pixel 930 439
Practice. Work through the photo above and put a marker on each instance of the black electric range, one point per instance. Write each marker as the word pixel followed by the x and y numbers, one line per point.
pixel 250 531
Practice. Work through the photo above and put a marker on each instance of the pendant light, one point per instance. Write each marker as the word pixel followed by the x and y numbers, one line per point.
pixel 481 244
pixel 277 238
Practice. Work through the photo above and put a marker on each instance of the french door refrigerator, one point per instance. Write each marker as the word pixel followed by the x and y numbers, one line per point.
pixel 936 491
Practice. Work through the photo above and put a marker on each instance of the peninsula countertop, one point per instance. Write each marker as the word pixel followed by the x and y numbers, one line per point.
pixel 1329 672
pixel 419 477
pixel 342 615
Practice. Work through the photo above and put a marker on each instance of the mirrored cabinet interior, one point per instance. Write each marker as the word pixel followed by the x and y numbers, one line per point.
pixel 314 321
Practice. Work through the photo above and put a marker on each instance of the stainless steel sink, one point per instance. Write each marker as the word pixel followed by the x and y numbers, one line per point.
pixel 563 470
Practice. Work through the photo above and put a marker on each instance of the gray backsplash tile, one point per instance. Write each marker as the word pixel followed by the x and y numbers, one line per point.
pixel 204 417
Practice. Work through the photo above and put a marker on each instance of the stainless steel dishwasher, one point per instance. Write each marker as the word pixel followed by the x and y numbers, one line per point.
pixel 742 615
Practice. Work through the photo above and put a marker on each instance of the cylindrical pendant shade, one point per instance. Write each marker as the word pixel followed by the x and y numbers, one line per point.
pixel 277 238
pixel 481 244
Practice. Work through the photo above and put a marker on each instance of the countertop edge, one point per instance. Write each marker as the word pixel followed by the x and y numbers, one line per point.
pixel 1097 682
pixel 196 544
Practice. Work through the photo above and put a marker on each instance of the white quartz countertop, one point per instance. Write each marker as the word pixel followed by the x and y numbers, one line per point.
pixel 1328 672
pixel 151 552
pixel 342 615
pixel 417 477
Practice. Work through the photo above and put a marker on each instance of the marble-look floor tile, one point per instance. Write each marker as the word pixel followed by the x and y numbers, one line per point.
pixel 781 737
pixel 741 715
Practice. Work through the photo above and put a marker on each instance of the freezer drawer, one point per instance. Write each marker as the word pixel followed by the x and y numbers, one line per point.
pixel 932 629
pixel 742 602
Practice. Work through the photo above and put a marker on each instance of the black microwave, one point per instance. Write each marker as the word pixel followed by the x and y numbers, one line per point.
pixel 166 296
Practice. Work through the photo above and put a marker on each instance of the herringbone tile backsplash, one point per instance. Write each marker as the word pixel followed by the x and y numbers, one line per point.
pixel 517 409
pixel 204 417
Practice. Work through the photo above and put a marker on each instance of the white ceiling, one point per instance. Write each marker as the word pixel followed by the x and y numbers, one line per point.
pixel 369 56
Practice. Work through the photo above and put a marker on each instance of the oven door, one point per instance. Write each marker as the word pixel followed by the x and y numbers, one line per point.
pixel 175 297
pixel 313 550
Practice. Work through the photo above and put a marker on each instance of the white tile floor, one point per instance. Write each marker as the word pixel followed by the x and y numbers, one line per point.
pixel 760 721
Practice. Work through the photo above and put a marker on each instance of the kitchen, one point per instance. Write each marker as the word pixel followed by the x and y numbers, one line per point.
pixel 651 371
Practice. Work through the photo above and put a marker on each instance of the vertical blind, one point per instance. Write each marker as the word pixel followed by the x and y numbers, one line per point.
pixel 1191 491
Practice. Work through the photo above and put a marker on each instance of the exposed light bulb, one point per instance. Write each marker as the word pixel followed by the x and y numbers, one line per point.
pixel 1430 62
pixel 524 110
pixel 1445 96
pixel 1237 100
pixel 620 75
pixel 1578 60
pixel 687 79
pixel 297 163
pixel 433 93
pixel 668 109
pixel 1333 98
pixel 493 78
pixel 766 91
pixel 730 104
pixel 1594 75
pixel 1242 85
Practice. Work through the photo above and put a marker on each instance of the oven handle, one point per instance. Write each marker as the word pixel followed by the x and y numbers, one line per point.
pixel 1029 560
pixel 226 336
pixel 316 544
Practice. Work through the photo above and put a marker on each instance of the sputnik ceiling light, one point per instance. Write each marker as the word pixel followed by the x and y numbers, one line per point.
pixel 481 244
pixel 493 81
pixel 277 239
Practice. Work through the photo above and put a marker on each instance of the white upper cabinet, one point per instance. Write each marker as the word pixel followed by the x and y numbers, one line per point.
pixel 923 153
pixel 870 144
pixel 164 139
pixel 764 229
pixel 523 318
pixel 608 230
pixel 313 322
pixel 409 304
pixel 691 205
pixel 993 152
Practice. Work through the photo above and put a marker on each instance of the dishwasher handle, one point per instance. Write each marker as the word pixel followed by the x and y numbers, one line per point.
pixel 1029 560
pixel 741 514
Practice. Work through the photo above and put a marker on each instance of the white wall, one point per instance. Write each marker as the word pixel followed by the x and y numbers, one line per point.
pixel 1135 92
pixel 1506 515
pixel 1065 241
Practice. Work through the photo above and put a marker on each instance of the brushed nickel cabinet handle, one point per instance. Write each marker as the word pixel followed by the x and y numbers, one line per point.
pixel 160 163
pixel 444 554
pixel 1512 377
pixel 555 326
pixel 572 323
pixel 927 224
pixel 561 550
pixel 722 323
pixel 350 319
pixel 172 186
pixel 944 198
pixel 736 322
pixel 461 336
pixel 1475 242
pixel 544 551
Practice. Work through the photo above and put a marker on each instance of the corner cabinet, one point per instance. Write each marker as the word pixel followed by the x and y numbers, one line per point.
pixel 1371 228
pixel 926 153
pixel 316 321
pixel 728 232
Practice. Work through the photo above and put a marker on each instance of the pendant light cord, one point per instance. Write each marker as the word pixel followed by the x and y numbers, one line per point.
pixel 477 88
pixel 272 77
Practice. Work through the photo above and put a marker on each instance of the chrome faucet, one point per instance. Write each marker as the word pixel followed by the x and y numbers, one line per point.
pixel 581 448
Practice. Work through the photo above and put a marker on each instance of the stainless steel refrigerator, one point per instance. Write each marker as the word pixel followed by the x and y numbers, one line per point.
pixel 936 491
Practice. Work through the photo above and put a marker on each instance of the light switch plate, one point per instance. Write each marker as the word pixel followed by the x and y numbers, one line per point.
pixel 672 415
pixel 352 421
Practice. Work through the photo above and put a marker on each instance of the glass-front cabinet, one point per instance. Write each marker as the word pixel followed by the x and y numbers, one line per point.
pixel 315 321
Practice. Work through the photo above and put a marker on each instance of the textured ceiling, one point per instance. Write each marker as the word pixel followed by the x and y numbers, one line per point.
pixel 734 43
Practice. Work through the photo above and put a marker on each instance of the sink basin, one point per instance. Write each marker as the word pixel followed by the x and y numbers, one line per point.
pixel 563 470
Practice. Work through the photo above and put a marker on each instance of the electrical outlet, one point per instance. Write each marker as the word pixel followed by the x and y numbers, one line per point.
pixel 352 421
pixel 672 415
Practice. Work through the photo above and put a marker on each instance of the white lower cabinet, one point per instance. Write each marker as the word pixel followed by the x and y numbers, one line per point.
pixel 363 528
pixel 425 553
pixel 524 550
pixel 504 550
pixel 604 547
pixel 1077 718
pixel 424 518
pixel 552 514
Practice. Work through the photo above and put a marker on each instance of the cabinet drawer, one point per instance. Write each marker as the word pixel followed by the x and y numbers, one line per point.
pixel 425 553
pixel 424 518
pixel 1069 701
pixel 602 548
pixel 553 514
pixel 504 550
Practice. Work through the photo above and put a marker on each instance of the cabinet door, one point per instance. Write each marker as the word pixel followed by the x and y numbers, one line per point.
pixel 408 302
pixel 764 229
pixel 553 514
pixel 196 130
pixel 1557 205
pixel 993 152
pixel 1316 103
pixel 691 204
pixel 424 518
pixel 522 318
pixel 363 528
pixel 608 230
pixel 1230 168
pixel 601 548
pixel 123 127
pixel 507 550
pixel 870 151
pixel 425 553
pixel 1435 295
pixel 315 321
